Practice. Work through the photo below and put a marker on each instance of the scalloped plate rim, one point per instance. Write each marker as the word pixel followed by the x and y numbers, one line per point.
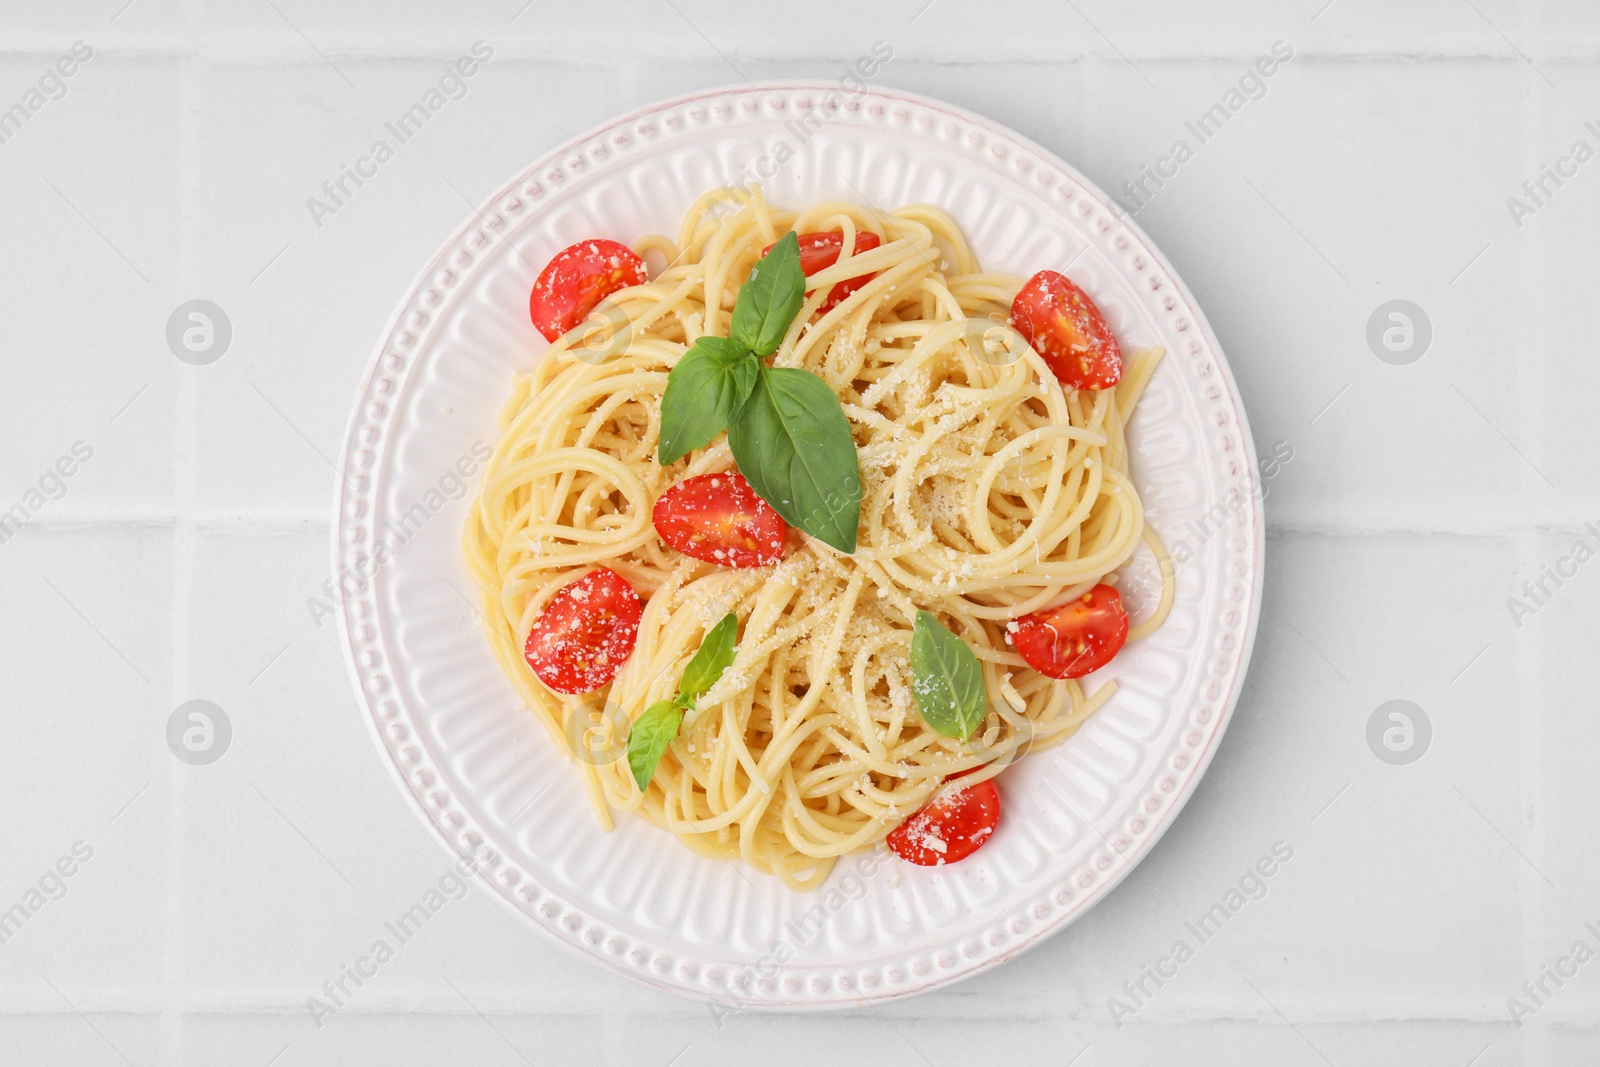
pixel 986 962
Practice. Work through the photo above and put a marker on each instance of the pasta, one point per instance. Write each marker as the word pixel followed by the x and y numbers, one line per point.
pixel 989 491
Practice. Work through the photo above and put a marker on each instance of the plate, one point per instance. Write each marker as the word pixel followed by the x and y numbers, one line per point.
pixel 481 772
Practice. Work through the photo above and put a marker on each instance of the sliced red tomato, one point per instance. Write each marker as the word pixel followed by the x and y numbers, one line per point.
pixel 578 278
pixel 1072 639
pixel 586 632
pixel 1065 327
pixel 950 827
pixel 819 251
pixel 718 518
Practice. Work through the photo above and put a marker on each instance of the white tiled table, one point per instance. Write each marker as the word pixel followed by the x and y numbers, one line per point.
pixel 178 559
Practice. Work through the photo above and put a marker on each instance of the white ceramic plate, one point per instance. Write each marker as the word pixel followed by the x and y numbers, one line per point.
pixel 482 773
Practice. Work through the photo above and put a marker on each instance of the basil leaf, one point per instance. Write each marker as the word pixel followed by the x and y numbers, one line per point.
pixel 717 650
pixel 649 737
pixel 946 679
pixel 792 443
pixel 706 387
pixel 769 298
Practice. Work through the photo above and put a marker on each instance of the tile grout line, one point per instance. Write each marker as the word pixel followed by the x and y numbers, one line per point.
pixel 316 521
pixel 186 431
pixel 250 46
pixel 1525 551
pixel 421 999
pixel 1530 397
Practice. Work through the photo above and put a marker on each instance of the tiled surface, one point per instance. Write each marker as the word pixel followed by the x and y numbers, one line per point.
pixel 177 560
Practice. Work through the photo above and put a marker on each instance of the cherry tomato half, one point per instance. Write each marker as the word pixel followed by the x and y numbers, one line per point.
pixel 1065 327
pixel 586 632
pixel 578 278
pixel 718 518
pixel 819 251
pixel 950 827
pixel 1072 639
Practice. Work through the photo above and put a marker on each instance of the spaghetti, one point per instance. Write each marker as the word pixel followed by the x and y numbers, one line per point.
pixel 989 490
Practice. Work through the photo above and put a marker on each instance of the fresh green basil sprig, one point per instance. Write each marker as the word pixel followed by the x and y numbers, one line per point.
pixel 786 427
pixel 654 730
pixel 946 679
